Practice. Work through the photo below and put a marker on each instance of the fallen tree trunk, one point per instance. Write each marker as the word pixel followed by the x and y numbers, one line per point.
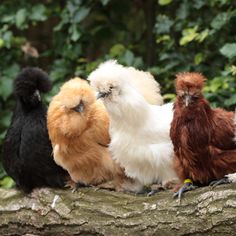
pixel 100 212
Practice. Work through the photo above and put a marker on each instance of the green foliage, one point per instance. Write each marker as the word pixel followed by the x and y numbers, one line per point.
pixel 229 50
pixel 164 2
pixel 70 38
pixel 7 182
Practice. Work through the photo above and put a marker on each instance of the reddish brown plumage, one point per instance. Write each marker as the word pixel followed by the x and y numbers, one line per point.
pixel 202 137
pixel 188 80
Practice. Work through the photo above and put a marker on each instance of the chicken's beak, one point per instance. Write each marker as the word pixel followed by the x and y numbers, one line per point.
pixel 79 108
pixel 187 100
pixel 37 94
pixel 102 94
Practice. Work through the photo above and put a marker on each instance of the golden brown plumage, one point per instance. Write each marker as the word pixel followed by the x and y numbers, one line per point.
pixel 78 129
pixel 202 136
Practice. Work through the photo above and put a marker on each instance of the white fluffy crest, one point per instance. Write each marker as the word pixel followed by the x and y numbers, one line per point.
pixel 107 72
pixel 110 73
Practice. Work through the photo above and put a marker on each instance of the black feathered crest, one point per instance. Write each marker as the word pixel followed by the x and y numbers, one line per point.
pixel 28 85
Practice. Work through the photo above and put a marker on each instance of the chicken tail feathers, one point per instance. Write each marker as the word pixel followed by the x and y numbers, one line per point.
pixel 29 84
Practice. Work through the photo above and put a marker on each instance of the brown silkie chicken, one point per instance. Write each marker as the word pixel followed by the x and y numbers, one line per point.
pixel 203 138
pixel 78 129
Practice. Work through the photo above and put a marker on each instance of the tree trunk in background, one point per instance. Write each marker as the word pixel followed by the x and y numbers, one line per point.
pixel 100 212
pixel 150 16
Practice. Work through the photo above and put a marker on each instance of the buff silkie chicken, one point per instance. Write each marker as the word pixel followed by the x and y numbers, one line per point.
pixel 203 138
pixel 78 129
pixel 139 131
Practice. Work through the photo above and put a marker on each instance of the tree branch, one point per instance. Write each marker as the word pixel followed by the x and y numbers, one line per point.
pixel 100 212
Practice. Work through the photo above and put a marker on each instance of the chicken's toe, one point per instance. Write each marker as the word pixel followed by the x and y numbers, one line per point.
pixel 156 188
pixel 224 180
pixel 75 186
pixel 188 186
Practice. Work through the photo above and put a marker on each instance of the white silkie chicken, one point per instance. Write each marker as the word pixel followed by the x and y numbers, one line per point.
pixel 139 132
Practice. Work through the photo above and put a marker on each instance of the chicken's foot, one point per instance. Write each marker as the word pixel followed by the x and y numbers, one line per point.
pixel 188 186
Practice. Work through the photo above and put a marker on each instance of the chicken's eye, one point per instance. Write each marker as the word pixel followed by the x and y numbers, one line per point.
pixel 194 97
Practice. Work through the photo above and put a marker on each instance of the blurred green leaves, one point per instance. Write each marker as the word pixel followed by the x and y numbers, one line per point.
pixel 164 2
pixel 80 14
pixel 5 181
pixel 199 57
pixel 5 87
pixel 229 50
pixel 38 13
pixel 105 2
pixel 191 34
pixel 220 20
pixel 6 81
pixel 21 18
pixel 163 24
pixel 230 101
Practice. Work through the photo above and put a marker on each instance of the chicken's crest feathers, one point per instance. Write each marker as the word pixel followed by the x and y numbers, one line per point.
pixel 146 85
pixel 30 80
pixel 110 75
pixel 74 91
pixel 188 81
pixel 28 85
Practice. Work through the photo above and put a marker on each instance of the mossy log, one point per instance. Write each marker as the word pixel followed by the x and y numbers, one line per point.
pixel 89 211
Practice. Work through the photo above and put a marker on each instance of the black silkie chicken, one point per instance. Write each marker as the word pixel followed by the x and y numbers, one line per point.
pixel 27 151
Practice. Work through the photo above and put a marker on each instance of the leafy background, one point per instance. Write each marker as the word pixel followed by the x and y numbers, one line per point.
pixel 68 38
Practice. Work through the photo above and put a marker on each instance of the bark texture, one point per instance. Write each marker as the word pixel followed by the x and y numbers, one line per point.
pixel 88 211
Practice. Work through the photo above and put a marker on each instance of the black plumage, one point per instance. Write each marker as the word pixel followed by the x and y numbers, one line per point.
pixel 27 151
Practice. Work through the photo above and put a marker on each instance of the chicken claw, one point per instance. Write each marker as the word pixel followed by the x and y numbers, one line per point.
pixel 155 189
pixel 188 186
pixel 75 186
pixel 224 180
pixel 227 179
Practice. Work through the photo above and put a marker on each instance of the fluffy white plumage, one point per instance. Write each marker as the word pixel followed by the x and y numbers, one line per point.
pixel 139 131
